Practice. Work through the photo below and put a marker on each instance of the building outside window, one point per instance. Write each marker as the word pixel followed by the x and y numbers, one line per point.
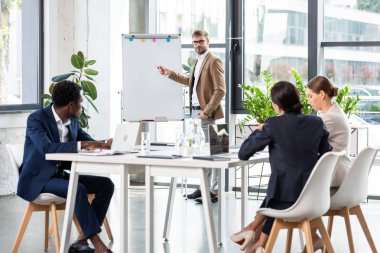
pixel 183 17
pixel 275 39
pixel 358 64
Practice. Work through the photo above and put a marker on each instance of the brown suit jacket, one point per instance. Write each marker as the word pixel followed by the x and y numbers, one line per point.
pixel 211 87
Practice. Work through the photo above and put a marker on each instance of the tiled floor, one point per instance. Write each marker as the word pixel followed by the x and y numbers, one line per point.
pixel 187 233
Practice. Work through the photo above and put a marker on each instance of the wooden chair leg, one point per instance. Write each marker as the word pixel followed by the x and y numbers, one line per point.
pixel 359 214
pixel 330 225
pixel 77 225
pixel 59 213
pixel 24 224
pixel 324 234
pixel 309 240
pixel 289 240
pixel 46 229
pixel 108 229
pixel 272 236
pixel 346 216
pixel 53 209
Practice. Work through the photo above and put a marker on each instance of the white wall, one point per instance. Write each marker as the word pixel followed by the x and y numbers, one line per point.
pixel 94 27
pixel 72 26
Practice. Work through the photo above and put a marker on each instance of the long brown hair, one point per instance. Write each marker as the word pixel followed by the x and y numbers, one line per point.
pixel 319 83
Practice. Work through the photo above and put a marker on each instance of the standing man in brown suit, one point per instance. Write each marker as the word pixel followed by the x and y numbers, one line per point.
pixel 207 89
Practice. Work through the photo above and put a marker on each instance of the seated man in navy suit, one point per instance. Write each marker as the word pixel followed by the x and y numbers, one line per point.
pixel 55 129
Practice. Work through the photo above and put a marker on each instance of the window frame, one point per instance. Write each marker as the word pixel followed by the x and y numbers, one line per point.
pixel 15 108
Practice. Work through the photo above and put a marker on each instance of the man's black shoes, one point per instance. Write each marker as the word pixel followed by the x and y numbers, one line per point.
pixel 194 195
pixel 80 246
pixel 214 198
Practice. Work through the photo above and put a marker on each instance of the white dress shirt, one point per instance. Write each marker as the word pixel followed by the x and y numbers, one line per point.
pixel 197 72
pixel 63 129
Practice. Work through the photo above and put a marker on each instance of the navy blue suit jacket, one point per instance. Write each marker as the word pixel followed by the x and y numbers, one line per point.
pixel 296 142
pixel 42 137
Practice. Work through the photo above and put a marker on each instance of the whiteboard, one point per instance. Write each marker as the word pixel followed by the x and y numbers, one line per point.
pixel 148 95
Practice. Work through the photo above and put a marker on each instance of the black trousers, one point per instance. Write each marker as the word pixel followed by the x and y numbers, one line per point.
pixel 90 216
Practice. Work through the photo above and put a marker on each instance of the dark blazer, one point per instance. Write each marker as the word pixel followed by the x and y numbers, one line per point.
pixel 296 142
pixel 211 86
pixel 42 137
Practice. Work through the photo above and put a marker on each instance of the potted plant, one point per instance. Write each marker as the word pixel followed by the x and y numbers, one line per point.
pixel 83 76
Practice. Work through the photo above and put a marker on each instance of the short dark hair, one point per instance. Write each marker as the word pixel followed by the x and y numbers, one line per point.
pixel 319 83
pixel 286 96
pixel 65 92
pixel 200 32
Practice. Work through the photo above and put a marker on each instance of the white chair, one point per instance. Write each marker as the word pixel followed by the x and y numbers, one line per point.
pixel 306 213
pixel 353 190
pixel 44 202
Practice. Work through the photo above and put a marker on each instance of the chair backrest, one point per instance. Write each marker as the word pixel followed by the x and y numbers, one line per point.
pixel 354 188
pixel 16 153
pixel 314 199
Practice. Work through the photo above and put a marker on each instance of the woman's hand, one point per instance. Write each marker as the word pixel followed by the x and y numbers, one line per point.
pixel 260 127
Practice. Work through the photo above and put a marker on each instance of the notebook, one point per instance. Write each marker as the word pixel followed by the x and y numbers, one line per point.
pixel 219 143
pixel 123 142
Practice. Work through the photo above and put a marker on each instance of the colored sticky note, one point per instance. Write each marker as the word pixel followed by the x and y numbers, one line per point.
pixel 142 40
pixel 167 39
pixel 154 39
pixel 131 39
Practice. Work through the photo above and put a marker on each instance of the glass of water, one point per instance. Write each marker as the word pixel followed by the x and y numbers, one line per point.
pixel 145 142
pixel 179 138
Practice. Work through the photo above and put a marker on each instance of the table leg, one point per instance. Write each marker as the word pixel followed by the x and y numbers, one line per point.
pixel 169 208
pixel 221 176
pixel 124 181
pixel 244 193
pixel 70 203
pixel 149 211
pixel 206 199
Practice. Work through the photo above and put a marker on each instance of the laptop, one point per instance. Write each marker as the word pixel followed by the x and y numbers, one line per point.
pixel 219 143
pixel 123 142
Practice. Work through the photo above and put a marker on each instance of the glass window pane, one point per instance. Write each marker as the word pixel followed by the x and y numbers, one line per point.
pixel 351 21
pixel 183 16
pixel 347 65
pixel 275 39
pixel 19 52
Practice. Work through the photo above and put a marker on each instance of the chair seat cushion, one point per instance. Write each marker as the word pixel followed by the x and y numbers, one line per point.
pixel 48 198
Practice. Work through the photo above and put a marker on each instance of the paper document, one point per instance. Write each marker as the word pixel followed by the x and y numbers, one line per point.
pixel 102 152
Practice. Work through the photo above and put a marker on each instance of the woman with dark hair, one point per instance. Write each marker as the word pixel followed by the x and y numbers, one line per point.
pixel 321 93
pixel 295 142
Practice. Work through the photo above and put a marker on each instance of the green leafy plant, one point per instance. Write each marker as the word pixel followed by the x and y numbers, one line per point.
pixel 257 103
pixel 259 106
pixel 347 103
pixel 301 87
pixel 83 76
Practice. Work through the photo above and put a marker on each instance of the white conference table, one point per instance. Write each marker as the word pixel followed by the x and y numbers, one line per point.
pixel 124 165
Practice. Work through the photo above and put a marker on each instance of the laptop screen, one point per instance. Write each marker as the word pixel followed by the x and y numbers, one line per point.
pixel 218 138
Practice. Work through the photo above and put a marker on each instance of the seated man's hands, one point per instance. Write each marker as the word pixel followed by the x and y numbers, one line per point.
pixel 90 145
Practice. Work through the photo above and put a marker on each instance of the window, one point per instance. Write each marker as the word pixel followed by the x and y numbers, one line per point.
pixel 183 17
pixel 21 55
pixel 275 35
pixel 351 48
